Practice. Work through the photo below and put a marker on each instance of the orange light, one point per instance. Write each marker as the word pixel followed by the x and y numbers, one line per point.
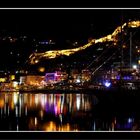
pixel 1 103
pixel 41 69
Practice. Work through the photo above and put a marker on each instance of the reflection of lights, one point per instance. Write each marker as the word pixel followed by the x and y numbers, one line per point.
pixel 94 126
pixel 115 121
pixel 15 98
pixel 36 99
pixel 41 114
pixel 70 102
pixel 112 126
pixel 1 103
pixel 16 111
pixel 5 109
pixel 25 98
pixel 60 116
pixel 78 102
pixel 17 127
pixel 35 120
pixel 6 98
pixel 8 110
pixel 12 105
pixel 130 120
pixel 62 103
pixel 57 109
pixel 42 101
pixel 51 126
pixel 51 98
pixel 26 111
pixel 20 102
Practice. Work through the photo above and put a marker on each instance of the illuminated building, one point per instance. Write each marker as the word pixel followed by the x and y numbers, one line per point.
pixel 86 75
pixel 75 75
pixel 55 77
pixel 31 79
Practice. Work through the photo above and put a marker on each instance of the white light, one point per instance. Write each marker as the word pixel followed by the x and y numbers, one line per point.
pixel 36 99
pixel 78 103
pixel 129 120
pixel 42 101
pixel 35 120
pixel 78 81
pixel 15 84
pixel 17 127
pixel 107 84
pixel 15 98
pixel 134 66
pixel 16 111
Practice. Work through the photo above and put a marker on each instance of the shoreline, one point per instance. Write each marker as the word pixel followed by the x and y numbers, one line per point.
pixel 84 90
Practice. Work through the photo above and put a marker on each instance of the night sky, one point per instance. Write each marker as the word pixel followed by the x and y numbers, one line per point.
pixel 64 23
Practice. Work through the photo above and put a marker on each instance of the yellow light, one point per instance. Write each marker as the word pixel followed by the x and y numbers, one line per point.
pixel 12 77
pixel 108 38
pixel 36 61
pixel 2 79
pixel 124 46
pixel 1 103
pixel 139 62
pixel 41 69
pixel 35 120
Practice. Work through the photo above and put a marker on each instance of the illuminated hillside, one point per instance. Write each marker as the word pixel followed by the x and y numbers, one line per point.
pixel 35 57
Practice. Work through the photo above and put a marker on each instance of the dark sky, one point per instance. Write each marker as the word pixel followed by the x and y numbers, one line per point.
pixel 64 23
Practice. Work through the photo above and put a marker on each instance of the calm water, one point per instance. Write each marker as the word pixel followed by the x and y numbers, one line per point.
pixel 67 112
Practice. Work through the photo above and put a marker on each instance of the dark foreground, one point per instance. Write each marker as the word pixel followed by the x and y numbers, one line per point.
pixel 94 110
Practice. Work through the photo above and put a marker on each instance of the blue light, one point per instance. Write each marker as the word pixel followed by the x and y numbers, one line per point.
pixel 118 77
pixel 130 120
pixel 107 84
pixel 127 78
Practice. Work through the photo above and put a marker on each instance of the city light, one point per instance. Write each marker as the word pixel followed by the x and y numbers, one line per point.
pixel 107 84
pixel 134 66
pixel 139 62
pixel 15 84
pixel 35 57
pixel 41 69
pixel 78 80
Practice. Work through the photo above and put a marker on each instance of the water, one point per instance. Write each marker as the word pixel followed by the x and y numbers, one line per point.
pixel 68 112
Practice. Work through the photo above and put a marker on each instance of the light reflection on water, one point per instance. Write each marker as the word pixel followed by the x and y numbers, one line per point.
pixel 61 112
pixel 47 112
